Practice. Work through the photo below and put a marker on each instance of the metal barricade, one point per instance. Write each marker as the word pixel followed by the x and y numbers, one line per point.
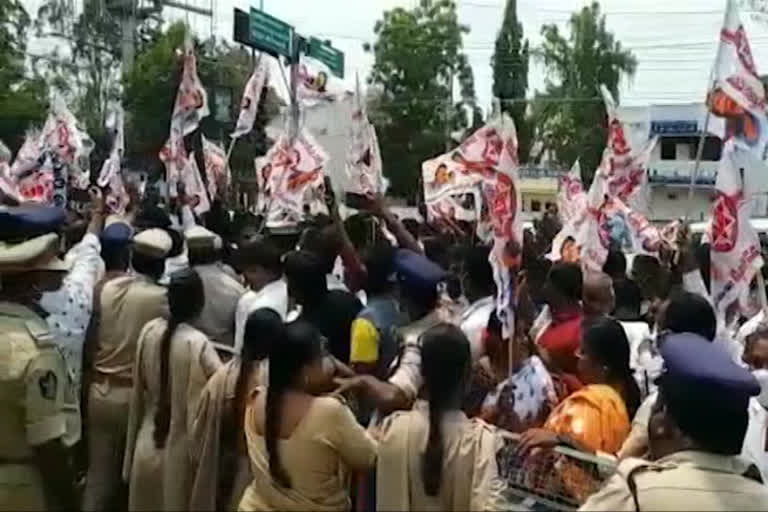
pixel 557 479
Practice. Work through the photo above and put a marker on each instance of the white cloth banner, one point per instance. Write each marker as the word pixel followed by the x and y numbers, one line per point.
pixel 363 159
pixel 216 169
pixel 571 197
pixel 8 185
pixel 190 107
pixel 110 175
pixel 249 106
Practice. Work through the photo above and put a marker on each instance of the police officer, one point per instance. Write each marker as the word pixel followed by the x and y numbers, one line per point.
pixel 40 415
pixel 696 431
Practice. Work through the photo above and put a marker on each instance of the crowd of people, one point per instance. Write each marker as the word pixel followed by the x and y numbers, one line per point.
pixel 157 361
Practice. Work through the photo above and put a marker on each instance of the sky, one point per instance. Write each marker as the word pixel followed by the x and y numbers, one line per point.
pixel 674 41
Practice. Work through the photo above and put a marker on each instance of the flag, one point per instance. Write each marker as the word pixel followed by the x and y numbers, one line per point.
pixel 571 198
pixel 734 244
pixel 249 106
pixel 737 95
pixel 316 82
pixel 363 160
pixel 8 185
pixel 110 175
pixel 216 169
pixel 190 107
pixel 66 143
pixel 291 180
pixel 623 166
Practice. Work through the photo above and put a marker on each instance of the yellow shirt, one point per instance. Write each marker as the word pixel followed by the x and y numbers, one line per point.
pixel 365 342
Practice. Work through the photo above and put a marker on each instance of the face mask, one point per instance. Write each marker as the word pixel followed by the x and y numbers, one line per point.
pixel 762 378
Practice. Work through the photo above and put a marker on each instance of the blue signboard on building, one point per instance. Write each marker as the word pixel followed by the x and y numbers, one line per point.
pixel 674 128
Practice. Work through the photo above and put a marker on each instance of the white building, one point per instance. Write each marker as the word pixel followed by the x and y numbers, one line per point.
pixel 679 129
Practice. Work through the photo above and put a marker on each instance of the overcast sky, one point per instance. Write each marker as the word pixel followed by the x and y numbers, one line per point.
pixel 673 40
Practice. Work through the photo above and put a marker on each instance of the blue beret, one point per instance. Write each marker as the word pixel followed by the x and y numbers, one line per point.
pixel 416 271
pixel 28 221
pixel 695 364
pixel 116 235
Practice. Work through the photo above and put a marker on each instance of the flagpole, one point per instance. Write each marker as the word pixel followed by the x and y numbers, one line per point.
pixel 702 137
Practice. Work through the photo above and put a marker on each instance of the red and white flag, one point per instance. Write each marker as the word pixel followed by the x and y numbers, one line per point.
pixel 291 180
pixel 216 169
pixel 110 175
pixel 72 146
pixel 363 161
pixel 249 106
pixel 190 107
pixel 738 95
pixel 571 197
pixel 8 185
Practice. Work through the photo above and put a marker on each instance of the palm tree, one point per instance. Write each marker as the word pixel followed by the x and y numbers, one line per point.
pixel 569 115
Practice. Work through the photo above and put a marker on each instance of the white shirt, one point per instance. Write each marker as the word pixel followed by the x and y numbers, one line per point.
pixel 273 295
pixel 474 321
pixel 644 360
pixel 69 307
pixel 754 440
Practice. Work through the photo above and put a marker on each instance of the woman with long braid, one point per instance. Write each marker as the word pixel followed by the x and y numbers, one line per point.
pixel 433 457
pixel 219 452
pixel 173 363
pixel 302 446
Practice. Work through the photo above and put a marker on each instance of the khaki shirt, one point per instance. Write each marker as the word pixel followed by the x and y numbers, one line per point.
pixel 37 393
pixel 685 480
pixel 126 305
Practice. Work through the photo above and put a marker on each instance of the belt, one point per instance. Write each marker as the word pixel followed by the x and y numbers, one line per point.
pixel 113 379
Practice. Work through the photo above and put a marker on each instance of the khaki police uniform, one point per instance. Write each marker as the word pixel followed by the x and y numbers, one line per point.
pixel 38 403
pixel 687 480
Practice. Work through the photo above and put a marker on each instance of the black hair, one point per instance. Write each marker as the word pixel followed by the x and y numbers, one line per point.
pixel 185 301
pixel 262 253
pixel 379 266
pixel 478 269
pixel 148 265
pixel 324 243
pixel 412 225
pixel 717 426
pixel 606 342
pixel 116 257
pixel 445 359
pixel 206 255
pixel 567 279
pixel 703 257
pixel 615 264
pixel 152 216
pixel 301 345
pixel 690 312
pixel 629 299
pixel 177 242
pixel 306 276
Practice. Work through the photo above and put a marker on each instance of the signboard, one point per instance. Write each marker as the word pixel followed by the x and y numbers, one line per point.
pixel 269 34
pixel 674 127
pixel 326 54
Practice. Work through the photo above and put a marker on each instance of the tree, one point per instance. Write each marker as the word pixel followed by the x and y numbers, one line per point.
pixel 150 91
pixel 417 58
pixel 87 73
pixel 510 75
pixel 570 115
pixel 23 99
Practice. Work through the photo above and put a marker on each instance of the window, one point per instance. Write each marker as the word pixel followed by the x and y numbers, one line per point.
pixel 672 196
pixel 713 146
pixel 548 206
pixel 668 149
pixel 535 206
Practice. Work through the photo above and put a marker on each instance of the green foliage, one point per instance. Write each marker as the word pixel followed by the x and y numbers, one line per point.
pixel 87 74
pixel 570 116
pixel 510 76
pixel 23 99
pixel 150 91
pixel 417 56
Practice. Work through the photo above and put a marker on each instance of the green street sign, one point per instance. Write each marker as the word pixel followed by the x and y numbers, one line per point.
pixel 270 34
pixel 326 54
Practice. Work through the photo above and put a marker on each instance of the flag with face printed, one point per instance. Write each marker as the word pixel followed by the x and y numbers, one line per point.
pixel 67 143
pixel 110 175
pixel 571 197
pixel 363 160
pixel 189 108
pixel 216 169
pixel 249 106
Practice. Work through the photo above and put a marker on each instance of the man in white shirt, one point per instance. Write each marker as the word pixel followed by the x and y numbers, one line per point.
pixel 479 289
pixel 261 264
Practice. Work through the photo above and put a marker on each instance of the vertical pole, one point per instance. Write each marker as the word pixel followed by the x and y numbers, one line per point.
pixel 297 48
pixel 448 103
